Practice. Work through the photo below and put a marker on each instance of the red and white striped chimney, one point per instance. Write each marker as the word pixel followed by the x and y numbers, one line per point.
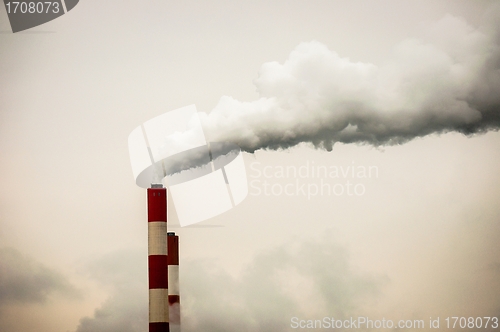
pixel 174 299
pixel 158 259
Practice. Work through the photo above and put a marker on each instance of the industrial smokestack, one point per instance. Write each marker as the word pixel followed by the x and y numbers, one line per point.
pixel 158 259
pixel 174 299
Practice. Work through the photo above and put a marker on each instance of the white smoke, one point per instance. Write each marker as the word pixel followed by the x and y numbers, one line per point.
pixel 448 79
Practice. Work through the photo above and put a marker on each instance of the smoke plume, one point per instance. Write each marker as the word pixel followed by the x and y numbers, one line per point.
pixel 447 79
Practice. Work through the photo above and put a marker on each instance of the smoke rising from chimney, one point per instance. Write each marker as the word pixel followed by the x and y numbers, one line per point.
pixel 446 80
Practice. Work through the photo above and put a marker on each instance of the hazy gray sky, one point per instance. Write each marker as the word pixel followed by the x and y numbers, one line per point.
pixel 420 241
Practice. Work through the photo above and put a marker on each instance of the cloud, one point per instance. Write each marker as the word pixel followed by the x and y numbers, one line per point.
pixel 310 279
pixel 124 273
pixel 445 79
pixel 125 311
pixel 306 278
pixel 23 280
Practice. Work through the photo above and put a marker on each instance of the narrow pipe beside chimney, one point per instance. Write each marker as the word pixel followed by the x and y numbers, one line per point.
pixel 174 299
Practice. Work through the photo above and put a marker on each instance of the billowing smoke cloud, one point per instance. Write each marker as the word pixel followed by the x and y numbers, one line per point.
pixel 307 279
pixel 447 79
pixel 126 310
pixel 23 280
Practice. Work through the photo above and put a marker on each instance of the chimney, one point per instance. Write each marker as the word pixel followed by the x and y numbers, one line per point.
pixel 173 280
pixel 158 259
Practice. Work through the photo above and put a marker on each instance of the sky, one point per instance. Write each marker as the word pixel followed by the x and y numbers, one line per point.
pixel 398 100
